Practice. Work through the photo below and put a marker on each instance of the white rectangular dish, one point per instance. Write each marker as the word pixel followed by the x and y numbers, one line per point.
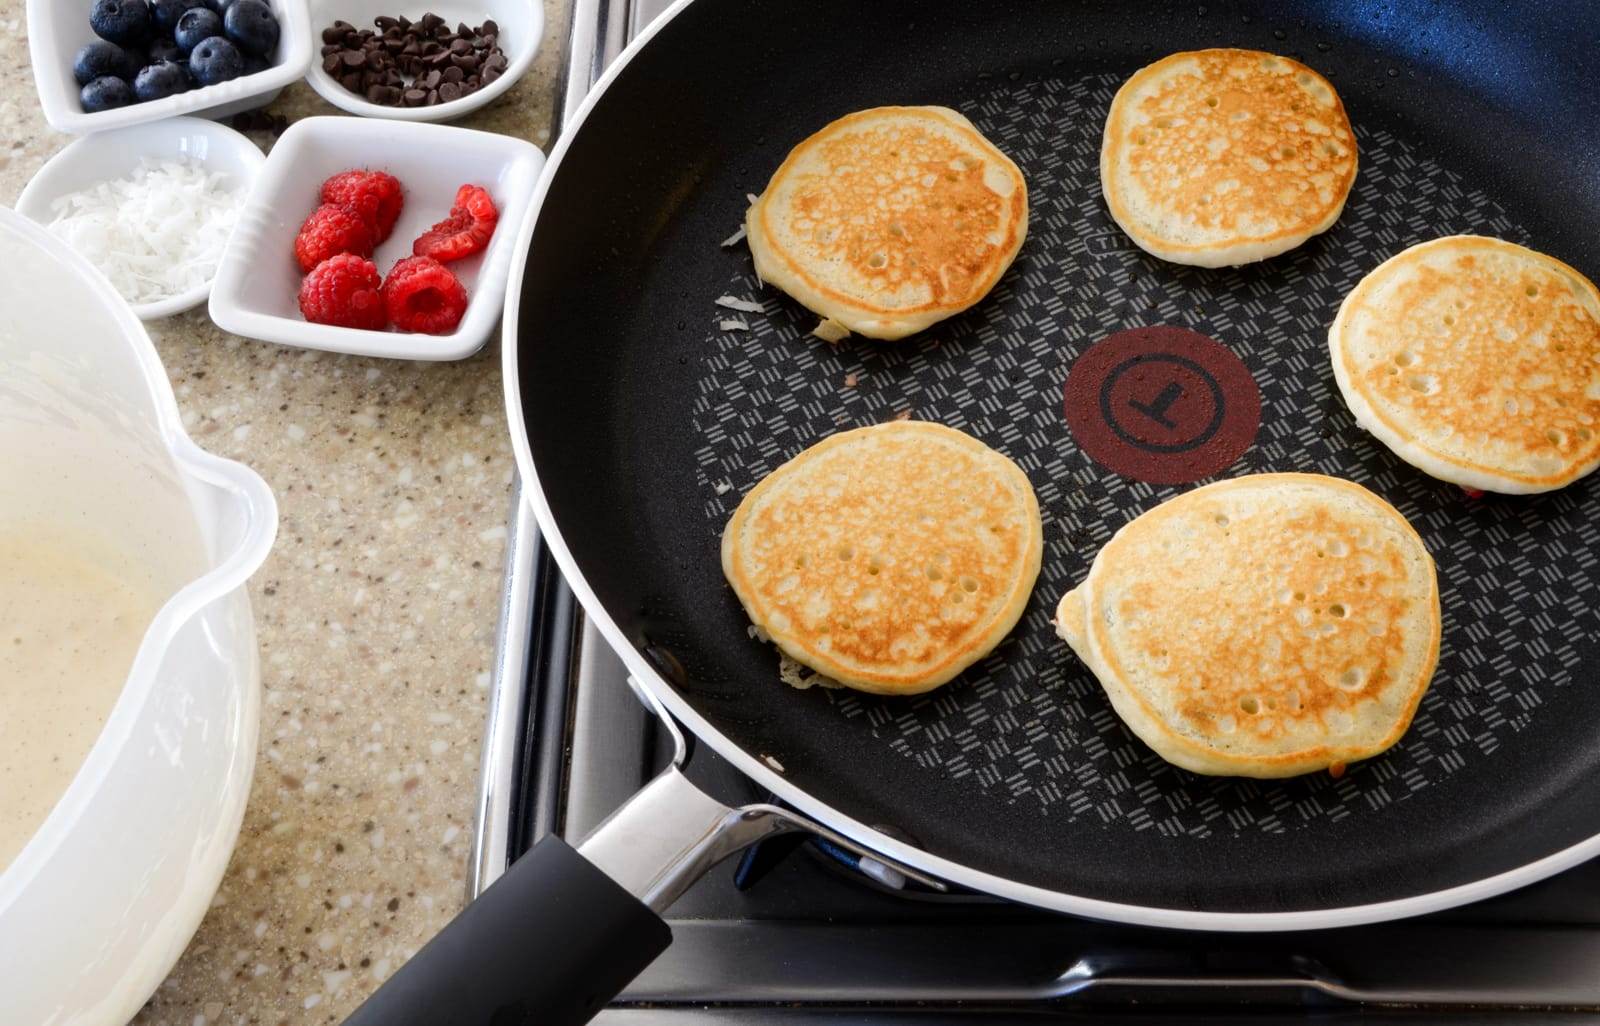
pixel 57 29
pixel 258 282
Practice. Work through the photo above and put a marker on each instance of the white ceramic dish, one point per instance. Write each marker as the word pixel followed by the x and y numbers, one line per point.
pixel 103 898
pixel 110 155
pixel 57 29
pixel 521 29
pixel 258 284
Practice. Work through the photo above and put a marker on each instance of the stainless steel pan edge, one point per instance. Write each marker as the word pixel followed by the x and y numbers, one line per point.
pixel 668 699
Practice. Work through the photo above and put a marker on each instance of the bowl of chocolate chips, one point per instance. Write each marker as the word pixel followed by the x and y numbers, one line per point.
pixel 382 61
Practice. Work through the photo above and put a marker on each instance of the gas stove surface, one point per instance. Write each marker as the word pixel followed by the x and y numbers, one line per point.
pixel 795 933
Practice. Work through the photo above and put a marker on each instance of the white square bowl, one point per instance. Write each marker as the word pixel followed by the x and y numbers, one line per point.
pixel 57 30
pixel 256 292
pixel 521 29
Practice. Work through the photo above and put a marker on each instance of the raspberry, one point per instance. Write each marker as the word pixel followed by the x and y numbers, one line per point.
pixel 373 196
pixel 422 295
pixel 465 232
pixel 329 231
pixel 343 290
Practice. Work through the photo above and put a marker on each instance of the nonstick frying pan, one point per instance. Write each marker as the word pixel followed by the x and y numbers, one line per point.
pixel 639 423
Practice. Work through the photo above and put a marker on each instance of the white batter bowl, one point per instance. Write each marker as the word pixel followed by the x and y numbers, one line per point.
pixel 99 904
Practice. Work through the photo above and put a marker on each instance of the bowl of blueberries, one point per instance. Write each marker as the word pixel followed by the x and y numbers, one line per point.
pixel 102 64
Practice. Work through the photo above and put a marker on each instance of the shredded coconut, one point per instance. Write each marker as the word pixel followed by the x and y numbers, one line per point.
pixel 155 234
pixel 742 305
pixel 734 324
pixel 751 197
pixel 830 330
pixel 798 675
pixel 758 632
pixel 733 239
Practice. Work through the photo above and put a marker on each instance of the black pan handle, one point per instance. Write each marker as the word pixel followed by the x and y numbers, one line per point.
pixel 550 942
pixel 563 931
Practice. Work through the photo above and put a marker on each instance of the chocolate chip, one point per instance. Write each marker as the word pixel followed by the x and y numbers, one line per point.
pixel 413 63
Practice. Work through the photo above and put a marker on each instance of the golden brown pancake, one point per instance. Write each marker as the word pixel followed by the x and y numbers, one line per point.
pixel 1476 361
pixel 889 220
pixel 887 558
pixel 1265 626
pixel 1223 157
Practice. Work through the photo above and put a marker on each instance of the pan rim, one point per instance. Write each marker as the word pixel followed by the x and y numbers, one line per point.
pixel 642 671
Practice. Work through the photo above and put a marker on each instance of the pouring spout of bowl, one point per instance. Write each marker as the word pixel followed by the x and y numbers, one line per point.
pixel 243 520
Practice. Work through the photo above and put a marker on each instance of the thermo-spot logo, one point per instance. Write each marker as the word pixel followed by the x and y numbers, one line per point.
pixel 1164 405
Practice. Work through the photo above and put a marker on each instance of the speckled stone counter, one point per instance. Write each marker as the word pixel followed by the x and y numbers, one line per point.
pixel 376 614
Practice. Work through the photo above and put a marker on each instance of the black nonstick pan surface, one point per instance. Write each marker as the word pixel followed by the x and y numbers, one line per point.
pixel 646 422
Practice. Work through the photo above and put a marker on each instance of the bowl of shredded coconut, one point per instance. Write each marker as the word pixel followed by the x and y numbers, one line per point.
pixel 150 206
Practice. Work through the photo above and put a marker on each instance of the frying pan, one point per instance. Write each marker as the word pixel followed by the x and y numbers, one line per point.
pixel 639 422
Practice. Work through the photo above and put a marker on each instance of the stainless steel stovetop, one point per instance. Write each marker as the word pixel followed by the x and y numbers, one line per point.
pixel 794 934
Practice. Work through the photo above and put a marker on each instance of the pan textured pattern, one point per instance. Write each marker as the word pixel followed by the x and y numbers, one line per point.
pixel 1262 626
pixel 888 220
pixel 1224 157
pixel 888 558
pixel 1029 724
pixel 1476 361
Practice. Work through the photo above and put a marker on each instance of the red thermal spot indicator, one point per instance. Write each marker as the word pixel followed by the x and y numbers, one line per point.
pixel 1163 405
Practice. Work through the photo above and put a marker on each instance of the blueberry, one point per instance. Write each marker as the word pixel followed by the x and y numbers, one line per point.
pixel 220 6
pixel 105 93
pixel 215 60
pixel 253 64
pixel 124 22
pixel 194 26
pixel 251 26
pixel 167 12
pixel 159 81
pixel 138 57
pixel 99 59
pixel 165 50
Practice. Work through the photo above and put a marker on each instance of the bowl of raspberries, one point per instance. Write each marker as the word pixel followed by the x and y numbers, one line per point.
pixel 101 64
pixel 377 239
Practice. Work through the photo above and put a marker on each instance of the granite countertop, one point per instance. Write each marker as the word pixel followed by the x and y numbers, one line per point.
pixel 376 614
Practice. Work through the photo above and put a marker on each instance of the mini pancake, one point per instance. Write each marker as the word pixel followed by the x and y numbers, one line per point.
pixel 1264 626
pixel 1476 361
pixel 889 220
pixel 888 558
pixel 1224 157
